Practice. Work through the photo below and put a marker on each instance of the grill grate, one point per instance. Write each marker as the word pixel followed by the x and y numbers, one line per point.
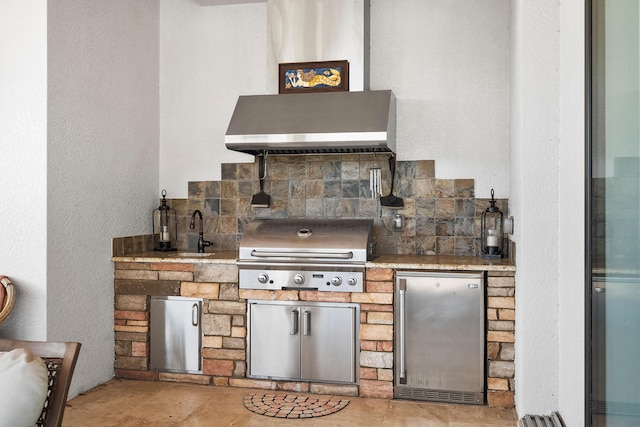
pixel 552 420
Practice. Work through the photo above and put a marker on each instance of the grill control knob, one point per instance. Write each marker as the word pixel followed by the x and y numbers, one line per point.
pixel 336 281
pixel 263 278
pixel 351 281
pixel 298 279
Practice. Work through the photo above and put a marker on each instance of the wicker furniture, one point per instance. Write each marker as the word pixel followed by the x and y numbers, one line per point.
pixel 9 298
pixel 60 358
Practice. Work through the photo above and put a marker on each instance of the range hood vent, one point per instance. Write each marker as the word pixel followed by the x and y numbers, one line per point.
pixel 314 123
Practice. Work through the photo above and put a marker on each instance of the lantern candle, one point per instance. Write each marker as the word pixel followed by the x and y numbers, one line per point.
pixel 491 230
pixel 164 226
pixel 164 235
pixel 492 238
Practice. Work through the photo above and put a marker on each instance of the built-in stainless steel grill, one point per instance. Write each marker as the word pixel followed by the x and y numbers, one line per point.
pixel 305 254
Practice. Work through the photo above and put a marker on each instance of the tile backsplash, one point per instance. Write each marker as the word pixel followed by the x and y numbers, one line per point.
pixel 442 216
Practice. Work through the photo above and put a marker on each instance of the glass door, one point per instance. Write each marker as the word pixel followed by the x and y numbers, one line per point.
pixel 614 244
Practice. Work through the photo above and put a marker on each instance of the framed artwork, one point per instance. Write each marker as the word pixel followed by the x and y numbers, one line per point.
pixel 322 76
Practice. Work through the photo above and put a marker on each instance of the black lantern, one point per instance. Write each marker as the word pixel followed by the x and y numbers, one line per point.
pixel 492 231
pixel 165 227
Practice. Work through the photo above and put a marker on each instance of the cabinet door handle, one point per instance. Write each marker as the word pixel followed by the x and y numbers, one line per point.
pixel 403 372
pixel 293 322
pixel 306 322
pixel 195 315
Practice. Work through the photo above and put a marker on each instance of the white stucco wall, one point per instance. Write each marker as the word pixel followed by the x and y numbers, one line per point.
pixel 571 224
pixel 23 156
pixel 102 163
pixel 209 55
pixel 547 198
pixel 446 61
pixel 534 201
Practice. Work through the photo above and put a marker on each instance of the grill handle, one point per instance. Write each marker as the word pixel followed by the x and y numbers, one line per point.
pixel 302 255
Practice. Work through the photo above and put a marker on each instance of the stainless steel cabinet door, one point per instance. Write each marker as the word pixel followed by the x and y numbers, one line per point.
pixel 274 341
pixel 176 334
pixel 328 343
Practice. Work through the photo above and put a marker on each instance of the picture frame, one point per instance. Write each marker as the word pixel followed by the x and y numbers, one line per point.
pixel 319 76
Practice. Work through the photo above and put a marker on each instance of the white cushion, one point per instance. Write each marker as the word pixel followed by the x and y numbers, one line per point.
pixel 23 388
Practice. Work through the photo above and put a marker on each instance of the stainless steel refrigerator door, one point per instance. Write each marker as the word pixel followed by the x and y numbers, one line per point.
pixel 328 343
pixel 176 334
pixel 440 335
pixel 274 341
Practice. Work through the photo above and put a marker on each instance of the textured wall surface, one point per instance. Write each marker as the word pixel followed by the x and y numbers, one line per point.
pixel 536 154
pixel 23 174
pixel 547 175
pixel 441 216
pixel 102 163
pixel 208 56
pixel 571 225
pixel 446 61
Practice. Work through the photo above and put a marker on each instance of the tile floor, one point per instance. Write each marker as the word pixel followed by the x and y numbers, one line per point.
pixel 125 403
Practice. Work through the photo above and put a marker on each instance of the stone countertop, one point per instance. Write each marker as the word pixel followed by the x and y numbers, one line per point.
pixel 440 262
pixel 399 262
pixel 180 257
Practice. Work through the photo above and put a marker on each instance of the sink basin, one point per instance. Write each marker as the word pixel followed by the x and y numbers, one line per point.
pixel 190 254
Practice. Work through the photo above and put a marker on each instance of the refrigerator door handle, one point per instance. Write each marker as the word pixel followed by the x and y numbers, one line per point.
pixel 403 372
pixel 195 315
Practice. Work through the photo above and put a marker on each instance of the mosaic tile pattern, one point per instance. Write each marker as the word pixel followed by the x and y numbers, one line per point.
pixel 293 406
pixel 442 216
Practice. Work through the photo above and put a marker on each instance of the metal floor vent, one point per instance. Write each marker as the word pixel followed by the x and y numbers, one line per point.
pixel 552 420
pixel 440 396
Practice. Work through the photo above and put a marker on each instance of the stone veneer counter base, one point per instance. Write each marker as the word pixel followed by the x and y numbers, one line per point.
pixel 214 277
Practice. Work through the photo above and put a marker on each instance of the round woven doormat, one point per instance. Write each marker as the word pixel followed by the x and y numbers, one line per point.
pixel 279 405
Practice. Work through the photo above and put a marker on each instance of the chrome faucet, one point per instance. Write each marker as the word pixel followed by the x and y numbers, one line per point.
pixel 201 242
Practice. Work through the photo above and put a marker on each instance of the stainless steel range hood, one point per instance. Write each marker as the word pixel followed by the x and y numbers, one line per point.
pixel 330 122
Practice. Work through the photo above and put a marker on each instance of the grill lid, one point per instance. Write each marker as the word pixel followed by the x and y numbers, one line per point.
pixel 317 240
